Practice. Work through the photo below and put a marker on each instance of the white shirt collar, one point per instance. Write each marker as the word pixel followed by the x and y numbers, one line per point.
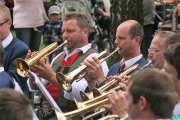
pixel 132 61
pixel 7 41
pixel 83 49
pixel 1 69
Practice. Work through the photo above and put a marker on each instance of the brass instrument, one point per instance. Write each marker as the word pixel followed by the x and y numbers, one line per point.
pixel 110 117
pixel 85 107
pixel 107 86
pixel 67 79
pixel 22 66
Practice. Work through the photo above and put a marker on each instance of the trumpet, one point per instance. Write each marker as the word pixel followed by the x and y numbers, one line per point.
pixel 110 117
pixel 107 86
pixel 22 66
pixel 85 107
pixel 67 79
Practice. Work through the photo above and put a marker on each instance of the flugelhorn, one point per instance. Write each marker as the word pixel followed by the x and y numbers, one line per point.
pixel 67 79
pixel 110 117
pixel 107 86
pixel 22 66
pixel 85 107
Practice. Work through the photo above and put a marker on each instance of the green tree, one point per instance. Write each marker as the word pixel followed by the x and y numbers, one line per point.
pixel 122 10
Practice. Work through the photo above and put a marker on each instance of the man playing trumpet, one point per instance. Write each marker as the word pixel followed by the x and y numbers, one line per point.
pixel 129 35
pixel 75 30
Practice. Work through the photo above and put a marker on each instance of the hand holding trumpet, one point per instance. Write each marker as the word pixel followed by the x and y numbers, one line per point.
pixel 94 72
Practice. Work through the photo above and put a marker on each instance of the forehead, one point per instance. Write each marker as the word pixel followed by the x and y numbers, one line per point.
pixel 69 23
pixel 157 42
pixel 123 29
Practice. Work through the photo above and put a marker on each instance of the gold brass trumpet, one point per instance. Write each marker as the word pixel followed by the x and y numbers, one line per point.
pixel 107 86
pixel 22 66
pixel 110 117
pixel 85 107
pixel 67 79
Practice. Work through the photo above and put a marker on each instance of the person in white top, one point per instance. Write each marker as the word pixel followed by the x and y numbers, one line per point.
pixel 29 17
pixel 75 30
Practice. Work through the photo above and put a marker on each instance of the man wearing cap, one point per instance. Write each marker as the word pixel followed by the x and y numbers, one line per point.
pixel 52 29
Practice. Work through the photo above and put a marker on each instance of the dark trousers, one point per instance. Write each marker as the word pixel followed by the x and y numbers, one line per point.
pixel 30 36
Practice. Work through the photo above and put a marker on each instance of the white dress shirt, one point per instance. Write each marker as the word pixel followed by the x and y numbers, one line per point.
pixel 132 61
pixel 7 41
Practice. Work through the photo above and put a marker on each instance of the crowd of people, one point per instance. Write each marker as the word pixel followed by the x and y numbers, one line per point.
pixel 149 92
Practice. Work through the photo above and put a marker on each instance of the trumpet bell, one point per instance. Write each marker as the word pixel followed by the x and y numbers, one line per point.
pixel 67 80
pixel 90 95
pixel 96 92
pixel 21 67
pixel 85 96
pixel 63 80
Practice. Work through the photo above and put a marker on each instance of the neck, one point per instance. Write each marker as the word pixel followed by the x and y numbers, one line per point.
pixel 136 52
pixel 149 116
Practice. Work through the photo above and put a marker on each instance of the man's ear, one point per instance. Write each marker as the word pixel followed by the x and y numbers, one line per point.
pixel 85 31
pixel 143 104
pixel 137 40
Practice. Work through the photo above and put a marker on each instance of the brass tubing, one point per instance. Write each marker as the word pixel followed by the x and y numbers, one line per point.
pixel 67 79
pixel 107 86
pixel 87 107
pixel 22 66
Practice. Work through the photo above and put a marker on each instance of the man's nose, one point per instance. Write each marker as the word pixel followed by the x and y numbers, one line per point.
pixel 150 55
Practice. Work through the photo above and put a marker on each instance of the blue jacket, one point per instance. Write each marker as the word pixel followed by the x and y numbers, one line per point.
pixel 5 80
pixel 114 70
pixel 16 49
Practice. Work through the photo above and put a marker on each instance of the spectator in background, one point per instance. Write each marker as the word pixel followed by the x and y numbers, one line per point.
pixel 13 47
pixel 14 105
pixel 52 30
pixel 29 17
pixel 177 10
pixel 102 17
pixel 148 17
pixel 2 2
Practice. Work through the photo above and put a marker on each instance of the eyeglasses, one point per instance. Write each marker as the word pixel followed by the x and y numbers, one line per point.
pixel 152 50
pixel 1 24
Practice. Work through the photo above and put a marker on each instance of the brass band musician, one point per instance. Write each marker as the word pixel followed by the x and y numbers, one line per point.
pixel 75 30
